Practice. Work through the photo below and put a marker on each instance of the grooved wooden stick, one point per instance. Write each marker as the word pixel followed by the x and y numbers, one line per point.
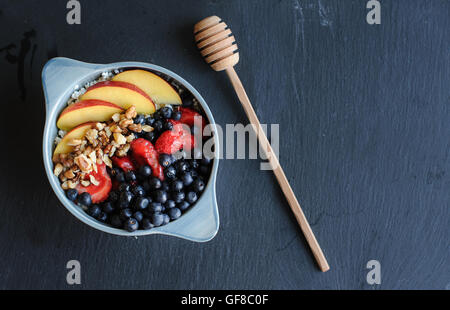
pixel 216 44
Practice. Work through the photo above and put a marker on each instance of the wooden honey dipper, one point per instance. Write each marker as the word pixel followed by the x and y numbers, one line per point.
pixel 217 45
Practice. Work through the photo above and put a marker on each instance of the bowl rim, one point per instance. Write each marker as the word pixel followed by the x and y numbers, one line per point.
pixel 54 105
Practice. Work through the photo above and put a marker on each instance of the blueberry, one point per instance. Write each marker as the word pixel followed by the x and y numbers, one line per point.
pixel 194 173
pixel 124 187
pixel 120 177
pixel 130 176
pixel 155 207
pixel 72 194
pixel 158 125
pixel 178 197
pixel 186 178
pixel 147 224
pixel 141 203
pixel 125 213
pixel 113 196
pixel 150 136
pixel 183 205
pixel 176 115
pixel 170 172
pixel 139 119
pixel 166 219
pixel 165 186
pixel 174 213
pixel 166 112
pixel 107 207
pixel 131 224
pixel 203 170
pixel 194 164
pixel 169 204
pixel 85 199
pixel 160 196
pixel 94 211
pixel 157 219
pixel 181 166
pixel 165 160
pixel 146 186
pixel 116 221
pixel 138 216
pixel 145 171
pixel 138 191
pixel 191 197
pixel 149 120
pixel 198 185
pixel 177 185
pixel 102 217
pixel 125 199
pixel 154 183
pixel 167 126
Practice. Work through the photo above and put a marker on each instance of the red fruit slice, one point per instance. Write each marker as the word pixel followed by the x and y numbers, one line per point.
pixel 169 142
pixel 101 191
pixel 145 154
pixel 178 138
pixel 124 163
pixel 188 117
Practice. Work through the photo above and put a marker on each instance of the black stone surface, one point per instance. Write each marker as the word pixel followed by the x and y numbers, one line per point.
pixel 364 123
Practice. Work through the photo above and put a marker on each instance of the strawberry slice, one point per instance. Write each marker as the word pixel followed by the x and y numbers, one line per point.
pixel 101 191
pixel 169 142
pixel 172 141
pixel 188 117
pixel 145 154
pixel 124 163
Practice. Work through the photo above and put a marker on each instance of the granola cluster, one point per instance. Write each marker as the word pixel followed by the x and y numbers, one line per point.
pixel 97 146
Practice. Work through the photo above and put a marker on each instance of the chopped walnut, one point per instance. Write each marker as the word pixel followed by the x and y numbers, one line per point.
pixel 83 162
pixel 58 169
pixel 125 123
pixel 130 138
pixel 116 117
pixel 85 183
pixel 69 174
pixel 135 127
pixel 119 138
pixel 147 128
pixel 131 112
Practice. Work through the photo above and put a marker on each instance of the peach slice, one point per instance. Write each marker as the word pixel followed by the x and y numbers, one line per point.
pixel 76 133
pixel 86 111
pixel 122 94
pixel 157 88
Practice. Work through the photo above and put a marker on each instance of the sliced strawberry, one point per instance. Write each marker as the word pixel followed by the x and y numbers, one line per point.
pixel 101 191
pixel 145 154
pixel 178 138
pixel 188 117
pixel 124 163
pixel 169 142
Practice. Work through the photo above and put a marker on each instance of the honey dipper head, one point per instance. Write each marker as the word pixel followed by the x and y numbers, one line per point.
pixel 216 43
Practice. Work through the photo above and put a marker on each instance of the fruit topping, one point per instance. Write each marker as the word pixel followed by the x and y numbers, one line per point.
pixel 145 154
pixel 99 187
pixel 124 163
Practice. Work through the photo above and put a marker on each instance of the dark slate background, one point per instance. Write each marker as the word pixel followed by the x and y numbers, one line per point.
pixel 364 114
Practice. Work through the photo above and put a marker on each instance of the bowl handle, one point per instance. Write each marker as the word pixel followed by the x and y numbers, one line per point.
pixel 58 74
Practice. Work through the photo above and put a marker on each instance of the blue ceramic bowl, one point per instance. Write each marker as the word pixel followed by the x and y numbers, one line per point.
pixel 59 77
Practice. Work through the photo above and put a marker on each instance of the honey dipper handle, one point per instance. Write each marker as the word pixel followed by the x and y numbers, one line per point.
pixel 278 171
